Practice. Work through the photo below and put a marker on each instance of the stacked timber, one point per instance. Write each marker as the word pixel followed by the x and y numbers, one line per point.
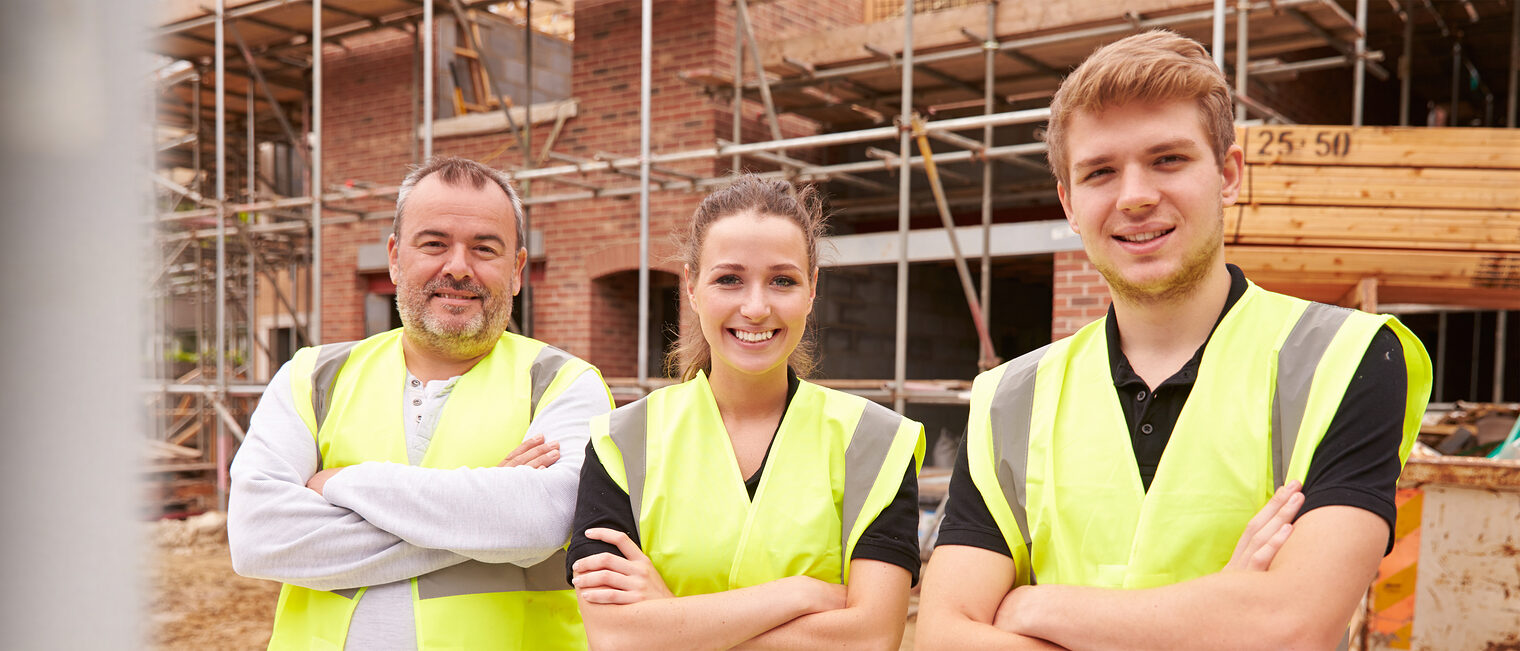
pixel 1359 216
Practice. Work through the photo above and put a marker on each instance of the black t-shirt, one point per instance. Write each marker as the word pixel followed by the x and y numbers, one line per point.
pixel 1356 464
pixel 891 538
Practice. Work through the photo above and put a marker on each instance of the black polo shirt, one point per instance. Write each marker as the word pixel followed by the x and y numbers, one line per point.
pixel 1356 464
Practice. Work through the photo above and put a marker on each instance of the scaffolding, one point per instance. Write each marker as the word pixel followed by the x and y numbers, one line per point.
pixel 235 263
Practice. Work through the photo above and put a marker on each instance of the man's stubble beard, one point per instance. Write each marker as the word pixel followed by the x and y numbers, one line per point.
pixel 472 338
pixel 1195 267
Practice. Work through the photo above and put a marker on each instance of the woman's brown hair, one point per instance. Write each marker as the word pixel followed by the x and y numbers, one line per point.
pixel 748 194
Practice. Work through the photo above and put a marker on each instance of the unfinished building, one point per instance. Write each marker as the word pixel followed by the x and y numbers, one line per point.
pixel 284 127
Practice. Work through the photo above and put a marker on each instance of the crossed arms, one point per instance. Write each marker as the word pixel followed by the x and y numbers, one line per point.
pixel 1288 586
pixel 376 523
pixel 626 605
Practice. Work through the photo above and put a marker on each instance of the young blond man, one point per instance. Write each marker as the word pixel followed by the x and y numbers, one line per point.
pixel 1067 525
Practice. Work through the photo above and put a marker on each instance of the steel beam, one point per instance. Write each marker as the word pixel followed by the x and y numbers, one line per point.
pixel 904 191
pixel 314 319
pixel 646 40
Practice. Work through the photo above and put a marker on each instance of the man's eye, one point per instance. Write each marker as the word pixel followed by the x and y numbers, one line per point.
pixel 431 245
pixel 1170 159
pixel 1097 173
pixel 486 250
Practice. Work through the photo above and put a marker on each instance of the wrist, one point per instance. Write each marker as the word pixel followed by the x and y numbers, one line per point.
pixel 1030 616
pixel 808 593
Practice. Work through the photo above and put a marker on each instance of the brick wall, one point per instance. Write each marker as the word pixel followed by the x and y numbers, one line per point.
pixel 369 116
pixel 1079 294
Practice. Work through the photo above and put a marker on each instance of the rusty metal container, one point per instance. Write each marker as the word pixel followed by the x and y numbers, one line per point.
pixel 1452 581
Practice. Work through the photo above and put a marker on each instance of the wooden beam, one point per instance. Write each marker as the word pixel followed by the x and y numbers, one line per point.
pixel 1400 187
pixel 1498 273
pixel 943 29
pixel 1457 298
pixel 1362 296
pixel 1375 227
pixel 1466 148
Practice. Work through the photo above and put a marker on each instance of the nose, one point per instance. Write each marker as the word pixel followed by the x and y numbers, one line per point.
pixel 1137 192
pixel 456 263
pixel 755 307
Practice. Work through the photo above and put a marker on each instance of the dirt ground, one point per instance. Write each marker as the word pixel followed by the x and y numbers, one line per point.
pixel 199 603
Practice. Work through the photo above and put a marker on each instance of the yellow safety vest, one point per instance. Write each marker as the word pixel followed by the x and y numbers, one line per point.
pixel 1049 449
pixel 836 462
pixel 355 416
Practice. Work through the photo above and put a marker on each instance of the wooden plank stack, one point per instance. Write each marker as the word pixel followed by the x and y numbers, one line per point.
pixel 1364 215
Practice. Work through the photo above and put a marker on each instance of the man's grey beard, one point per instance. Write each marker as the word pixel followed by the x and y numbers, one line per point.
pixel 470 339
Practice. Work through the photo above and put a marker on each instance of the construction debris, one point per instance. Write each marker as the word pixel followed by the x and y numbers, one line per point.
pixel 1470 429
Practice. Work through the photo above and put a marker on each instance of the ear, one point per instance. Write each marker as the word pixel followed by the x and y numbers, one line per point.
pixel 517 270
pixel 1232 169
pixel 1065 197
pixel 392 261
pixel 813 289
pixel 691 291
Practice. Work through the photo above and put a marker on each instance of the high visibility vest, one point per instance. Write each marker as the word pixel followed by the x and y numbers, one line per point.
pixel 836 462
pixel 1049 448
pixel 350 397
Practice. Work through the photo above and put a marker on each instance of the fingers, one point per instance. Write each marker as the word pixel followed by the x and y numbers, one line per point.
pixel 1262 559
pixel 608 596
pixel 1283 515
pixel 603 562
pixel 1266 533
pixel 544 460
pixel 605 579
pixel 534 453
pixel 527 444
pixel 1273 506
pixel 620 540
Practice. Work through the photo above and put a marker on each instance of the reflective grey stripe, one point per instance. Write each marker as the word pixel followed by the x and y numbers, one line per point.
pixel 330 359
pixel 629 427
pixel 475 577
pixel 347 593
pixel 545 368
pixel 863 461
pixel 1011 413
pixel 1300 355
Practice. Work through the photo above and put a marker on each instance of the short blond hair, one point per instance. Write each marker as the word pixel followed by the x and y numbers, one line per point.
pixel 1154 66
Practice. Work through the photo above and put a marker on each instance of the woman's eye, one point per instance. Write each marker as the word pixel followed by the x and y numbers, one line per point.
pixel 784 281
pixel 727 279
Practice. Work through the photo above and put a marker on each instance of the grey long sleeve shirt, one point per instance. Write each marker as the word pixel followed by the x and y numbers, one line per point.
pixel 379 524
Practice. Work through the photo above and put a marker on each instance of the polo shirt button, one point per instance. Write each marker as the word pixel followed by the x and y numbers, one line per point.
pixel 417 402
pixel 1146 429
pixel 1140 395
pixel 416 383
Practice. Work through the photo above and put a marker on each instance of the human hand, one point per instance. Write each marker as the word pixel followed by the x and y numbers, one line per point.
pixel 319 480
pixel 533 453
pixel 1009 608
pixel 1266 533
pixel 609 579
pixel 819 596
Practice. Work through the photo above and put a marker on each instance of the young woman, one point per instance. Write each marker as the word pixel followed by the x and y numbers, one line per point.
pixel 745 507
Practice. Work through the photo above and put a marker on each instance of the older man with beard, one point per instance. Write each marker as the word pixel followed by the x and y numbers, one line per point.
pixel 414 490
